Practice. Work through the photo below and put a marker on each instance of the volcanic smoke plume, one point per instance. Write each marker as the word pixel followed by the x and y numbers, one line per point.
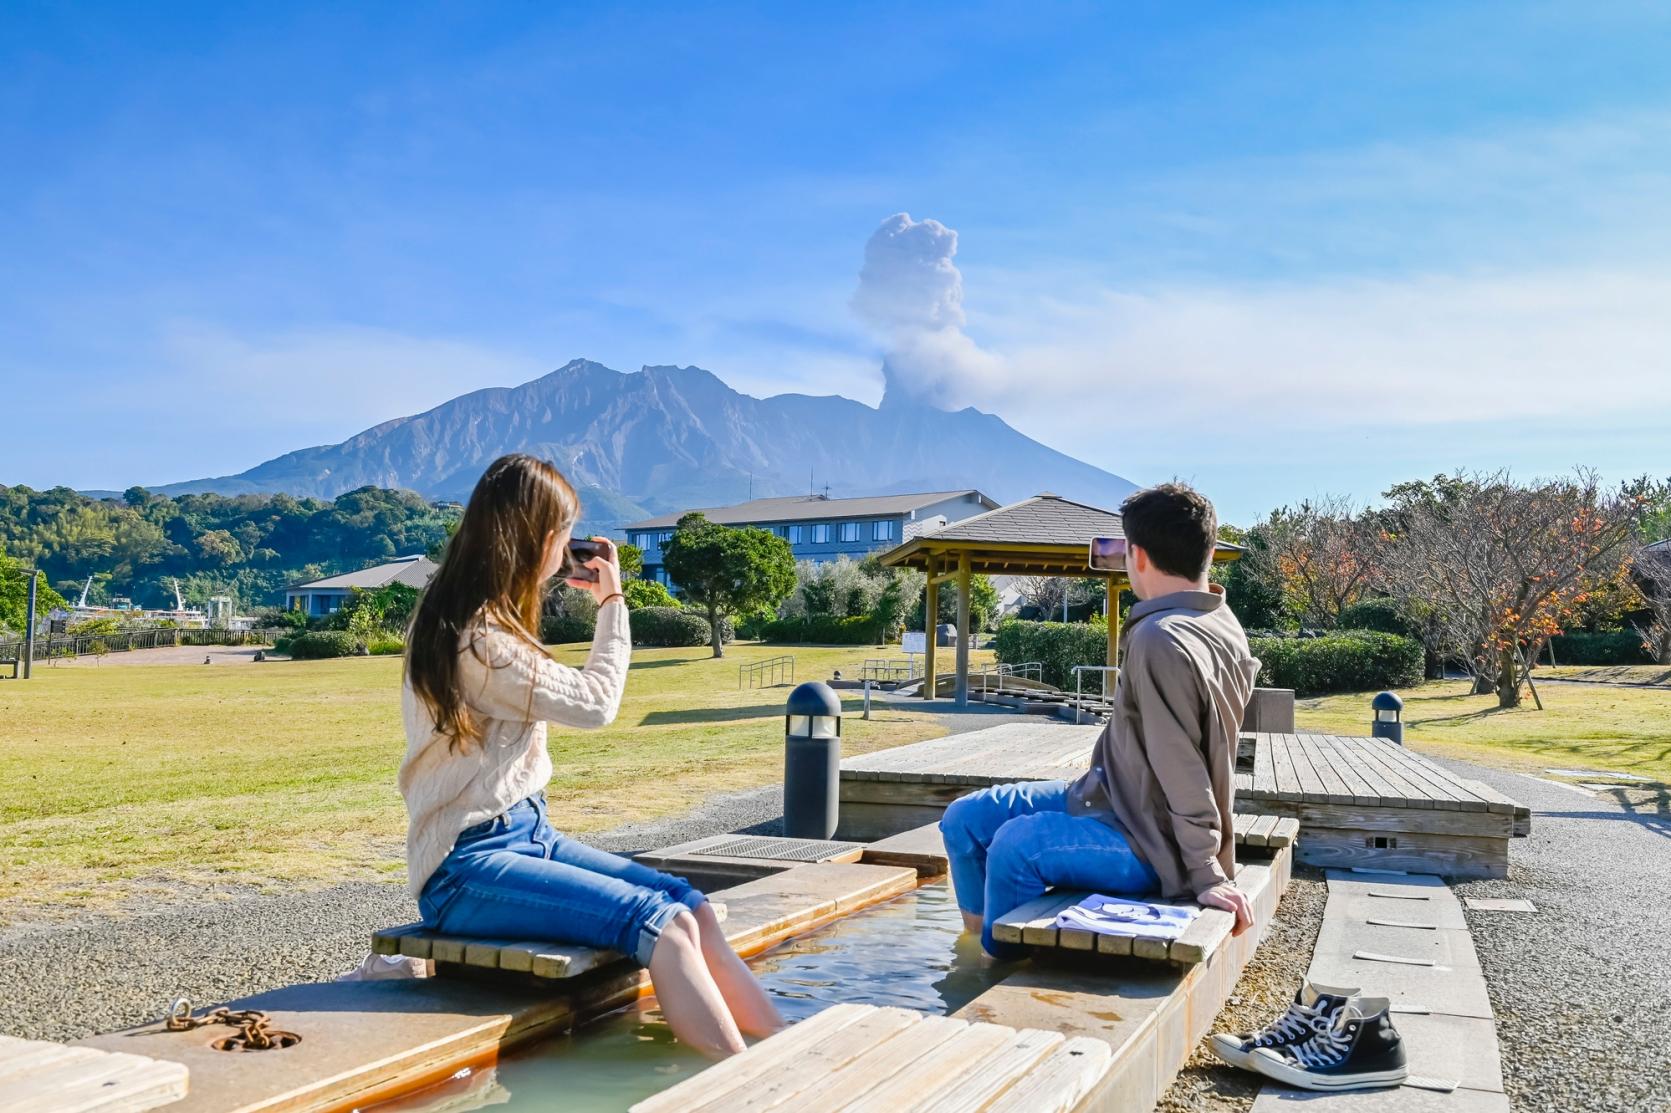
pixel 911 293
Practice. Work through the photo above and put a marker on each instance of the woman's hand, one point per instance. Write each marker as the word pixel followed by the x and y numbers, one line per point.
pixel 608 567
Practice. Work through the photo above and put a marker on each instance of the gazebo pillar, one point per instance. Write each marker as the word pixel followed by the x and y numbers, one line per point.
pixel 1113 590
pixel 931 618
pixel 961 692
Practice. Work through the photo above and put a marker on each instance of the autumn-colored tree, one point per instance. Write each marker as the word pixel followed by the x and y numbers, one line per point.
pixel 1500 565
pixel 1320 555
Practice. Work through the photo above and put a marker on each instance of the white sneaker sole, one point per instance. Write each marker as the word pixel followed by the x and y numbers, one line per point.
pixel 1277 1070
pixel 1229 1049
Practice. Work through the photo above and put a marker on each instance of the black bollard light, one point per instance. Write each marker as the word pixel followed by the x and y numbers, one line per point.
pixel 811 761
pixel 1389 717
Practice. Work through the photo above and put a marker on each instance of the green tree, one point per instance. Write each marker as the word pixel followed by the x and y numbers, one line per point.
pixel 14 595
pixel 728 571
pixel 647 593
pixel 631 558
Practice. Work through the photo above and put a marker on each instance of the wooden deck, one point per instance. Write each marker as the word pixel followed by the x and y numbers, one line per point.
pixel 41 1077
pixel 854 1058
pixel 1360 801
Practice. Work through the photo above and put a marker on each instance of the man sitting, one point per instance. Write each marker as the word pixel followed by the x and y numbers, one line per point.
pixel 1153 813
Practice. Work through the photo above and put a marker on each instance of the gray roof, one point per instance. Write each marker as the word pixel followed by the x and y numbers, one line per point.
pixel 1044 519
pixel 1658 546
pixel 413 571
pixel 795 508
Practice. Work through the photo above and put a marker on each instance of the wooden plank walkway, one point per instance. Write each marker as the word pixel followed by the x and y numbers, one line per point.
pixel 1359 801
pixel 41 1077
pixel 860 1057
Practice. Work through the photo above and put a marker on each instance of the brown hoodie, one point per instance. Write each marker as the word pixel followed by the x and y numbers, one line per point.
pixel 1163 769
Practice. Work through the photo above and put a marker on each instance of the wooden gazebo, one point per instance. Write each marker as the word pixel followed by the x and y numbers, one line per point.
pixel 1046 535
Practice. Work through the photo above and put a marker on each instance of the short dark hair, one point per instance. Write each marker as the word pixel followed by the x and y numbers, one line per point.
pixel 1175 525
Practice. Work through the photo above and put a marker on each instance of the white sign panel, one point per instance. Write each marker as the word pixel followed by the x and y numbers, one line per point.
pixel 913 642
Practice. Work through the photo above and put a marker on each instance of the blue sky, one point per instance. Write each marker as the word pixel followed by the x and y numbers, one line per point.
pixel 1280 249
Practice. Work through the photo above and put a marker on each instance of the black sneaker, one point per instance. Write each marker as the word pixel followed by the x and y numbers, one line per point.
pixel 1313 1008
pixel 1361 1050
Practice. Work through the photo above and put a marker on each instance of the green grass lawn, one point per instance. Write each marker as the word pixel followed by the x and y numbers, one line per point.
pixel 1656 675
pixel 1622 729
pixel 120 779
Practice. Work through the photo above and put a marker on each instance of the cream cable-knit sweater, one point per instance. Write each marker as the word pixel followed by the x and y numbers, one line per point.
pixel 513 689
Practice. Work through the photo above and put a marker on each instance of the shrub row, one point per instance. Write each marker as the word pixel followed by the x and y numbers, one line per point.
pixel 1351 661
pixel 824 629
pixel 1057 646
pixel 672 626
pixel 1618 647
pixel 322 643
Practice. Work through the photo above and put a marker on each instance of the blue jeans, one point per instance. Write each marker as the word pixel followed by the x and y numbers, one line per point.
pixel 514 877
pixel 1009 843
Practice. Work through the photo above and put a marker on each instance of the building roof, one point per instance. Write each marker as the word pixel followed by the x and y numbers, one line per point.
pixel 413 571
pixel 1658 547
pixel 1045 535
pixel 796 508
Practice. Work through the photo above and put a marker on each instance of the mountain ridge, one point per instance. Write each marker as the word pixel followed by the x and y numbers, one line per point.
pixel 667 437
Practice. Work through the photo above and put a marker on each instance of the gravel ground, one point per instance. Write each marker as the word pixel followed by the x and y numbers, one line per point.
pixel 1581 987
pixel 1207 1084
pixel 65 981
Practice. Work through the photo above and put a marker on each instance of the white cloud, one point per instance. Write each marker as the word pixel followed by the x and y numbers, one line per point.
pixel 1423 351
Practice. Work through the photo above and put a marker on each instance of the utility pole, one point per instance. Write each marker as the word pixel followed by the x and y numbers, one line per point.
pixel 29 628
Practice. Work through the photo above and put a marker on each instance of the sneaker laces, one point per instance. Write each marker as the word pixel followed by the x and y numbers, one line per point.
pixel 1299 1022
pixel 1327 1046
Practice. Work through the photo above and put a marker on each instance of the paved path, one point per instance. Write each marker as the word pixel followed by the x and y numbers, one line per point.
pixel 166 655
pixel 1582 987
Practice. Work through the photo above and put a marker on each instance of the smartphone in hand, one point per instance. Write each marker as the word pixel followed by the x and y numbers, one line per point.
pixel 1108 554
pixel 581 550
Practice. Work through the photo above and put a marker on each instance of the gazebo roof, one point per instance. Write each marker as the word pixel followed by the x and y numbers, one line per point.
pixel 1045 535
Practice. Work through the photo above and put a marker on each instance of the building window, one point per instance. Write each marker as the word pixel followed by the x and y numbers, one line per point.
pixel 821 533
pixel 849 531
pixel 793 534
pixel 664 537
pixel 881 531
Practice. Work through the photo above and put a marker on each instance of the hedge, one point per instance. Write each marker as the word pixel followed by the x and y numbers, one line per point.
pixel 559 629
pixel 1351 661
pixel 1617 647
pixel 672 626
pixel 1387 616
pixel 1058 646
pixel 824 629
pixel 386 647
pixel 323 643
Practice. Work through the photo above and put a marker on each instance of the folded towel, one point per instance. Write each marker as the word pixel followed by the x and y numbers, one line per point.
pixel 1121 916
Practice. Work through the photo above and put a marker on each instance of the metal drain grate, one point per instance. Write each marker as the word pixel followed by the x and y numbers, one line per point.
pixel 788 850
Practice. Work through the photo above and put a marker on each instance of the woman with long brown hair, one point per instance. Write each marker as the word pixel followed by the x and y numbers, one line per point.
pixel 482 859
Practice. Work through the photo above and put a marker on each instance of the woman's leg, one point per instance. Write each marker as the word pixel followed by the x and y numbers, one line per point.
pixel 972 822
pixel 696 1010
pixel 752 1009
pixel 750 1006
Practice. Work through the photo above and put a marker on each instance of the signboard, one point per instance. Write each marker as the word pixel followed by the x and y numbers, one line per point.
pixel 912 642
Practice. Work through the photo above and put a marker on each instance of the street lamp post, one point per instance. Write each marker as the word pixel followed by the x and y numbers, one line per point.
pixel 29 627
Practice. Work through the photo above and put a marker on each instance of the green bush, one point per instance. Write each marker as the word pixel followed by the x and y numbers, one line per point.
pixel 1387 616
pixel 386 647
pixel 752 625
pixel 1615 647
pixel 671 626
pixel 281 644
pixel 823 629
pixel 1058 646
pixel 323 643
pixel 1351 661
pixel 647 593
pixel 559 629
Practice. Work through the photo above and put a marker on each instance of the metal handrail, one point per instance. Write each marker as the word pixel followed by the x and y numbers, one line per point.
pixel 1079 672
pixel 887 668
pixel 750 675
pixel 1027 670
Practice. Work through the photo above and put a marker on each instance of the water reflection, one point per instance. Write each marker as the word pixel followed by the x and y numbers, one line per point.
pixel 906 952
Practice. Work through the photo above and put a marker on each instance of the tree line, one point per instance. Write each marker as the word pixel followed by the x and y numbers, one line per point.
pixel 248 546
pixel 1481 568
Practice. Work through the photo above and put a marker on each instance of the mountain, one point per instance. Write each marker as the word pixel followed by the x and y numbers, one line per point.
pixel 669 438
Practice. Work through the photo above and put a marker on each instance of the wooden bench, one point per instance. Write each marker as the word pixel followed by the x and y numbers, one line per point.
pixel 14 662
pixel 538 960
pixel 878 1060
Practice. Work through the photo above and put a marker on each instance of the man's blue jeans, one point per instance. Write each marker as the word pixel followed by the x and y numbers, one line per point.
pixel 1009 843
pixel 514 877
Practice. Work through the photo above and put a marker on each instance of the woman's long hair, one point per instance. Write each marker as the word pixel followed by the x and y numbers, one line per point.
pixel 492 565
